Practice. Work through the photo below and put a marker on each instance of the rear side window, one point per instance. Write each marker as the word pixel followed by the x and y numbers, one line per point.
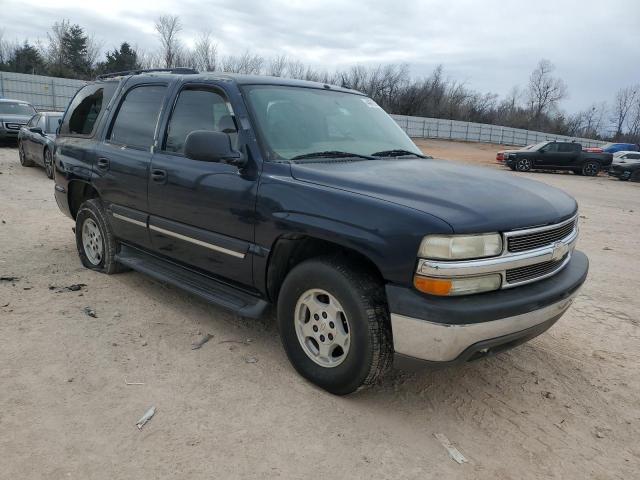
pixel 135 122
pixel 567 147
pixel 82 115
pixel 633 156
pixel 198 109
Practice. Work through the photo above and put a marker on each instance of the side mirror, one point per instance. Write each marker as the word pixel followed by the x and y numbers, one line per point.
pixel 37 130
pixel 209 146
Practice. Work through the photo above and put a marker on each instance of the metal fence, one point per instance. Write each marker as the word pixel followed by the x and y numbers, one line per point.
pixel 421 127
pixel 44 93
pixel 51 93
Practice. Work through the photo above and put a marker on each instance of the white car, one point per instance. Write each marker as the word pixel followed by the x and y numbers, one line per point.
pixel 625 157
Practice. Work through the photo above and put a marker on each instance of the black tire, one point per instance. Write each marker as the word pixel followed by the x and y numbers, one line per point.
pixel 48 162
pixel 635 176
pixel 512 167
pixel 523 165
pixel 590 168
pixel 93 211
pixel 24 161
pixel 363 300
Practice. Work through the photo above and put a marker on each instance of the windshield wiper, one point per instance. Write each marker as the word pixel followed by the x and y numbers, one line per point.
pixel 396 153
pixel 331 154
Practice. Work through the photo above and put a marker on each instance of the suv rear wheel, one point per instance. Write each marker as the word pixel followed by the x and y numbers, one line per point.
pixel 95 241
pixel 334 324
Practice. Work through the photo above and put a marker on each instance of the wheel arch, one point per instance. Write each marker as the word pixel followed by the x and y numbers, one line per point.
pixel 291 249
pixel 78 191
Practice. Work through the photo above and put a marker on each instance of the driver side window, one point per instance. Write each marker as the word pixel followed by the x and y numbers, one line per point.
pixel 33 121
pixel 198 109
pixel 551 148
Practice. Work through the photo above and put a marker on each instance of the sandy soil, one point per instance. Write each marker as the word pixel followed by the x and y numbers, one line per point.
pixel 566 405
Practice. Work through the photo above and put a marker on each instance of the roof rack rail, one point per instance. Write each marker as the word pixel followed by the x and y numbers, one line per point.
pixel 176 70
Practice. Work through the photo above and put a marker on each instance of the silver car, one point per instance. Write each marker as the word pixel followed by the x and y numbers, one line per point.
pixel 13 115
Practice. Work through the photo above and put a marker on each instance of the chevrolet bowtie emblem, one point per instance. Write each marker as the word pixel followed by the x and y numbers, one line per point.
pixel 560 249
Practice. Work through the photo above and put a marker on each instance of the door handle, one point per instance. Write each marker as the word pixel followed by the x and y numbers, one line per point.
pixel 159 176
pixel 103 163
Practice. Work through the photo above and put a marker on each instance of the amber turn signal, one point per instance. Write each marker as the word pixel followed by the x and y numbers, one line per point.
pixel 433 286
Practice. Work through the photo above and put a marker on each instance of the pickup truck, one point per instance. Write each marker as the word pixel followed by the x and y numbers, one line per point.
pixel 556 156
pixel 251 191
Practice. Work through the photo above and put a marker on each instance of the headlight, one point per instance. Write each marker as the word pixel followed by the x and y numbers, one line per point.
pixel 460 247
pixel 457 286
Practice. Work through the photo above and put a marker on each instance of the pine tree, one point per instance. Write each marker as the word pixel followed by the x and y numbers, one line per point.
pixel 26 59
pixel 119 60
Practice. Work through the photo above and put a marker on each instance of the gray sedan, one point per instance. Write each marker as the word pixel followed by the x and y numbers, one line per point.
pixel 36 139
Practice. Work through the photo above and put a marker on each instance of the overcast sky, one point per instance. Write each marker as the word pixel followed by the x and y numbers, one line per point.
pixel 491 45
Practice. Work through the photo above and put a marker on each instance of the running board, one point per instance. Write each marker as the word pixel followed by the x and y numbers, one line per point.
pixel 202 286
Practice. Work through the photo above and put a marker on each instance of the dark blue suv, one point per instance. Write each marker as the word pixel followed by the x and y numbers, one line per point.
pixel 249 191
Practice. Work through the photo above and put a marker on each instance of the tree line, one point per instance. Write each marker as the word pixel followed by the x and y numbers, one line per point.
pixel 70 52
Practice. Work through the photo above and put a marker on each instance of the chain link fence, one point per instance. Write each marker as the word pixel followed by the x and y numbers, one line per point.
pixel 421 127
pixel 44 93
pixel 50 93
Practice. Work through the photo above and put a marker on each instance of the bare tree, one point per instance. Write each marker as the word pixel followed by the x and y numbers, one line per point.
pixel 277 66
pixel 168 27
pixel 623 103
pixel 205 53
pixel 545 90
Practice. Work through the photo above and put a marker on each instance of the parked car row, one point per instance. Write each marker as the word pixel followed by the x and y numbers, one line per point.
pixel 555 155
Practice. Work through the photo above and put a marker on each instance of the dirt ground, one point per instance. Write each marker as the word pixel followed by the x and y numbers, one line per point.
pixel 565 406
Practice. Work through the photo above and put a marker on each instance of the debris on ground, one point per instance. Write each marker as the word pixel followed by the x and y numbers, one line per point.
pixel 146 417
pixel 201 341
pixel 607 248
pixel 5 305
pixel 144 344
pixel 70 380
pixel 454 453
pixel 250 359
pixel 71 288
pixel 132 383
pixel 241 342
pixel 548 395
pixel 90 312
pixel 9 279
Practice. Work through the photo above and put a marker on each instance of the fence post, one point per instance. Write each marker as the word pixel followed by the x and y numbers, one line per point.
pixel 424 123
pixel 480 134
pixel 53 94
pixel 466 135
pixel 437 128
pixel 1 86
pixel 450 129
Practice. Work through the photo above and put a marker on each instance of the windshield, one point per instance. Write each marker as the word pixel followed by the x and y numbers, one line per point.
pixel 15 108
pixel 537 146
pixel 298 121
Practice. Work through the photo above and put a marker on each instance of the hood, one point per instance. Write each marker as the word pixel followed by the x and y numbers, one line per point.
pixel 6 117
pixel 470 199
pixel 510 151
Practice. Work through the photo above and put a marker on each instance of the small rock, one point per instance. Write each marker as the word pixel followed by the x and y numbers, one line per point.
pixel 90 312
pixel 70 380
pixel 607 248
pixel 599 434
pixel 201 341
pixel 114 344
pixel 144 344
pixel 117 315
pixel 548 395
pixel 251 359
pixel 584 216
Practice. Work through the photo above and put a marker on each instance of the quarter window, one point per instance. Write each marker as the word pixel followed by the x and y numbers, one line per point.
pixel 198 109
pixel 83 112
pixel 135 122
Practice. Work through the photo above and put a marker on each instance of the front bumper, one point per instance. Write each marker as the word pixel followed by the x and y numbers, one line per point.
pixel 619 172
pixel 458 329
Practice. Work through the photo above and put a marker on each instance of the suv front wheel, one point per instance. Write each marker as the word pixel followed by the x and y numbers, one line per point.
pixel 95 240
pixel 334 324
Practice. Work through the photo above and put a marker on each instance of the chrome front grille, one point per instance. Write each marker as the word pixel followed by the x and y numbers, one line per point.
pixel 535 238
pixel 530 272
